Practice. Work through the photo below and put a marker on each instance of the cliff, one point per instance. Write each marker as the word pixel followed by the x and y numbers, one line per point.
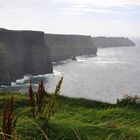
pixel 22 52
pixel 112 41
pixel 66 46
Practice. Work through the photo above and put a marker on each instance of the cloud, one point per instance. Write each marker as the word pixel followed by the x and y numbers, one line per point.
pixel 115 17
pixel 96 10
pixel 82 10
pixel 117 21
pixel 9 4
pixel 122 7
pixel 70 12
pixel 62 3
pixel 100 3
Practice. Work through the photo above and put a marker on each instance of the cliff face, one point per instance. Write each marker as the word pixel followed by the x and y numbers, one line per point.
pixel 22 52
pixel 112 41
pixel 66 46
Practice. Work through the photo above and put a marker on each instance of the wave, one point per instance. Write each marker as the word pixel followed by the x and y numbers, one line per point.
pixel 20 81
pixel 3 86
pixel 108 62
pixel 98 60
pixel 57 73
pixel 27 78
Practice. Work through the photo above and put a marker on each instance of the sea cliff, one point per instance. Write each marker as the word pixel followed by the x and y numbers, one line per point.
pixel 22 52
pixel 67 46
pixel 112 42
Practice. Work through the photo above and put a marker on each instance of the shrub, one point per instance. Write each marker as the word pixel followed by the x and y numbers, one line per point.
pixel 40 97
pixel 51 105
pixel 128 100
pixel 9 118
pixel 32 99
pixel 47 105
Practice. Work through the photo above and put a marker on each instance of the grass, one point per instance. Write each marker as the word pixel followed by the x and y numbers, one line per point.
pixel 78 119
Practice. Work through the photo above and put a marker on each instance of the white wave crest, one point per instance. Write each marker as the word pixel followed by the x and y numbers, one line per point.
pixel 20 81
pixel 57 73
pixel 25 78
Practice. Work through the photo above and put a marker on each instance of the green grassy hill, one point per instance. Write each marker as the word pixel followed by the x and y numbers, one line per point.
pixel 78 119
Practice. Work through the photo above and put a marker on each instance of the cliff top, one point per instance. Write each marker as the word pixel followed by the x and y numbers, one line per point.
pixel 75 35
pixel 3 29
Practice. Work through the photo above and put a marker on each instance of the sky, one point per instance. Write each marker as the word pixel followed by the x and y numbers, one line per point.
pixel 85 17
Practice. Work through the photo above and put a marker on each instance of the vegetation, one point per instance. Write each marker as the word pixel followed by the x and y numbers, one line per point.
pixel 128 100
pixel 9 119
pixel 75 119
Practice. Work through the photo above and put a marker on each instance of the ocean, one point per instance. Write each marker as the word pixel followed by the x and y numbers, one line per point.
pixel 109 75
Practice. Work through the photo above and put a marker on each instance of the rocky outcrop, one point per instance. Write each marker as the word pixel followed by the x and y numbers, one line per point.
pixel 112 42
pixel 22 52
pixel 67 46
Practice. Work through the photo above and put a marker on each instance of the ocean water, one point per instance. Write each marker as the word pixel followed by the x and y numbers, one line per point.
pixel 106 77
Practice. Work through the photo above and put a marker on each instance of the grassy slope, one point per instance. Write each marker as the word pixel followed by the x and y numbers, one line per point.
pixel 90 119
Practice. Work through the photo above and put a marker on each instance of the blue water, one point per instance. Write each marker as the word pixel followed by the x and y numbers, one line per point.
pixel 110 75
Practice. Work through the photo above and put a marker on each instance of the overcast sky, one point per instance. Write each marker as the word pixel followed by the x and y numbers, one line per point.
pixel 89 17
